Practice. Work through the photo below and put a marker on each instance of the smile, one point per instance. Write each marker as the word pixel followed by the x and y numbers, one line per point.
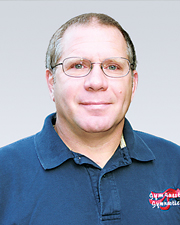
pixel 95 105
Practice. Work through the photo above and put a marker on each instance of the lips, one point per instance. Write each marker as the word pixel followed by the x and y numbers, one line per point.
pixel 95 105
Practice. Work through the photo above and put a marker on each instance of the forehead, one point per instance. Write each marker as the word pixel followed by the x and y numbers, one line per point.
pixel 93 39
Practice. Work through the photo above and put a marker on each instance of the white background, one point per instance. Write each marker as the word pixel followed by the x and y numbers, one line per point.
pixel 25 30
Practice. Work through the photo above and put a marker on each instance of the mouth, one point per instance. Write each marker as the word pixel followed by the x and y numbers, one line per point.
pixel 95 105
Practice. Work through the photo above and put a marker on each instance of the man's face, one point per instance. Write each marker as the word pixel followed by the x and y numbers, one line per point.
pixel 94 103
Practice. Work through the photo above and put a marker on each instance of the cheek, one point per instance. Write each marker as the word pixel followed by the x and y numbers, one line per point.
pixel 65 93
pixel 124 93
pixel 123 89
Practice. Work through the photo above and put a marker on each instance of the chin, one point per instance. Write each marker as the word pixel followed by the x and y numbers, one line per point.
pixel 96 128
pixel 99 125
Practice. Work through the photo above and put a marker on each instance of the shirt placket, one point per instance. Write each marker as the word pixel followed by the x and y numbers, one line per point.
pixel 104 185
pixel 109 197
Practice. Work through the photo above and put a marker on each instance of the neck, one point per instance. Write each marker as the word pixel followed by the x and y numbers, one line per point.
pixel 99 147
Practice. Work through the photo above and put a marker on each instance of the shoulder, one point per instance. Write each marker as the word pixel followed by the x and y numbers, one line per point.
pixel 24 143
pixel 159 145
pixel 17 153
pixel 18 165
pixel 151 139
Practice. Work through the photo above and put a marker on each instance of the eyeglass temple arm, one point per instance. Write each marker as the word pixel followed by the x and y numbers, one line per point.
pixel 52 67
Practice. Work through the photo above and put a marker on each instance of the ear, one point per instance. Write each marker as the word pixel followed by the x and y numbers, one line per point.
pixel 50 83
pixel 135 83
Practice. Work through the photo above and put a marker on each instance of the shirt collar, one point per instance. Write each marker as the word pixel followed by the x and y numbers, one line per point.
pixel 52 151
pixel 138 149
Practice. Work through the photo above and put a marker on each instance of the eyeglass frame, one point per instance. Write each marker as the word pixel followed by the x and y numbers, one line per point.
pixel 92 63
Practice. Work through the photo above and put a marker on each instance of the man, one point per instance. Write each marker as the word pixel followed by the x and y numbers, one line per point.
pixel 88 166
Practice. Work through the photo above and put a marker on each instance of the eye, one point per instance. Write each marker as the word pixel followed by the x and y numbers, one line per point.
pixel 78 66
pixel 112 67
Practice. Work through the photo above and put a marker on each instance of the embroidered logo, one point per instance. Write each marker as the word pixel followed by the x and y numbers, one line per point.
pixel 170 197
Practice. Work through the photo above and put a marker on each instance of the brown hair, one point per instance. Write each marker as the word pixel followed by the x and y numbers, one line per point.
pixel 54 50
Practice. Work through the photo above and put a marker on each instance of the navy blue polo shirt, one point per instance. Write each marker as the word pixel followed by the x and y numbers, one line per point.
pixel 43 182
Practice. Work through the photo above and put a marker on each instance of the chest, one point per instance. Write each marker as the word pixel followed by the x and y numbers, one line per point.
pixel 82 194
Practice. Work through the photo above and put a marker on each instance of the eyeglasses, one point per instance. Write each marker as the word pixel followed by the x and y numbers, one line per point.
pixel 80 67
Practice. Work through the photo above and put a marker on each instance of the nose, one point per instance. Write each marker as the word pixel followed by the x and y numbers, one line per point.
pixel 96 80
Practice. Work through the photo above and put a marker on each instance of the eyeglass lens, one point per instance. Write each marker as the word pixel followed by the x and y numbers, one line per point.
pixel 113 67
